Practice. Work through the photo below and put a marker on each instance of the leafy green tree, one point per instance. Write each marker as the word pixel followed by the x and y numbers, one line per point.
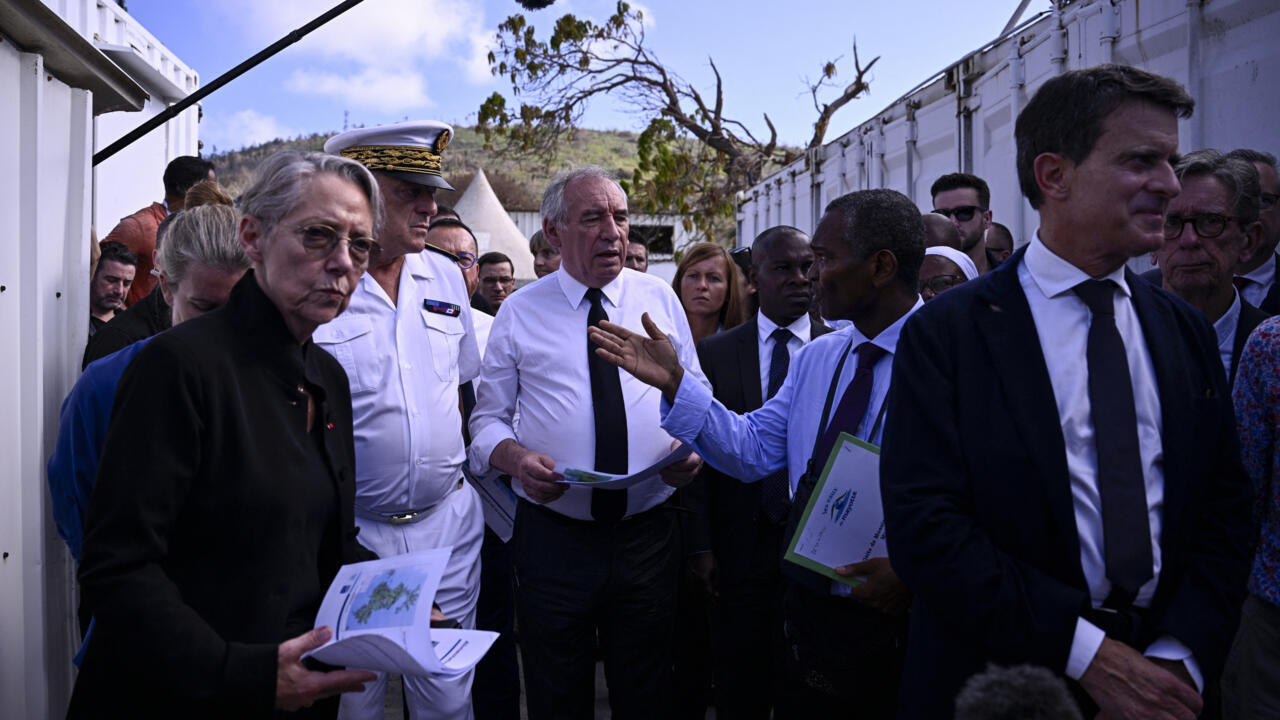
pixel 693 159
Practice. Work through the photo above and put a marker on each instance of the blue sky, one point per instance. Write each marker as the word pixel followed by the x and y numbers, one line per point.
pixel 388 60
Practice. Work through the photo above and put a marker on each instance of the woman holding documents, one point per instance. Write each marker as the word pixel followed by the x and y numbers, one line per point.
pixel 206 557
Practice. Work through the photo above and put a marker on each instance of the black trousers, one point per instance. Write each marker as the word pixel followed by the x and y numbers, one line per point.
pixel 844 659
pixel 579 580
pixel 748 646
pixel 495 692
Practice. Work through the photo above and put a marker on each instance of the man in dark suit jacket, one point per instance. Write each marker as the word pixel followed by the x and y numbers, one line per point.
pixel 1212 227
pixel 734 533
pixel 1256 276
pixel 1060 474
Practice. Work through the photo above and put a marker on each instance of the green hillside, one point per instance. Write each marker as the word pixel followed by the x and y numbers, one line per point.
pixel 518 182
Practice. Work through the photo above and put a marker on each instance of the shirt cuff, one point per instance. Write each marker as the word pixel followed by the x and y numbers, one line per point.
pixel 1084 645
pixel 483 444
pixel 1167 647
pixel 684 418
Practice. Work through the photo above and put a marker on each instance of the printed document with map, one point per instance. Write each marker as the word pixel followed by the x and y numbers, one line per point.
pixel 380 612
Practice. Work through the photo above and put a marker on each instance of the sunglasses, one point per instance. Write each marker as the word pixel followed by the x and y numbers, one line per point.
pixel 963 213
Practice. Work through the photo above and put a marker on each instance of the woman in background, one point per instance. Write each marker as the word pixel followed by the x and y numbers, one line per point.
pixel 708 287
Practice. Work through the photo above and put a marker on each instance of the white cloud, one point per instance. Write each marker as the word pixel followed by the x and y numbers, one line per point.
pixel 245 127
pixel 377 39
pixel 371 89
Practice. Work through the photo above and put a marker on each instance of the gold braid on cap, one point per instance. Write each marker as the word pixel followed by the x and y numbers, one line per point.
pixel 399 158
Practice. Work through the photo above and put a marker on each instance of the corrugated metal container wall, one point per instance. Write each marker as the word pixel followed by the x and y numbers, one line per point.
pixel 45 151
pixel 962 119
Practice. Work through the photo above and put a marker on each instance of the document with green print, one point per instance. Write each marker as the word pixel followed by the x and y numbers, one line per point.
pixel 844 520
pixel 380 613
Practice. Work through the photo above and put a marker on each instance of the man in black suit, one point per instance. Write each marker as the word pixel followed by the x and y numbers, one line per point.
pixel 1060 475
pixel 1256 276
pixel 734 533
pixel 1212 227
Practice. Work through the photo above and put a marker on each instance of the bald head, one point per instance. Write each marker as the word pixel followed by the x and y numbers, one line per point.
pixel 939 230
pixel 766 241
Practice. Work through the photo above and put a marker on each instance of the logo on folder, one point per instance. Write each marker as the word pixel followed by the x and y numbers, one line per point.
pixel 839 505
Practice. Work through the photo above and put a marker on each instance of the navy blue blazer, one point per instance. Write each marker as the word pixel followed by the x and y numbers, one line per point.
pixel 978 506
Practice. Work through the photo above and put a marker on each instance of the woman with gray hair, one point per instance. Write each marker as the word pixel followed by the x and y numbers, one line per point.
pixel 206 556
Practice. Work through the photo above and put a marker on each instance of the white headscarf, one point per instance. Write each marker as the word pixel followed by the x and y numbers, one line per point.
pixel 961 260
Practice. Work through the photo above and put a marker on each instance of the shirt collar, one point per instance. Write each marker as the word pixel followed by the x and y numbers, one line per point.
pixel 1225 327
pixel 1264 273
pixel 1055 276
pixel 574 291
pixel 418 266
pixel 887 340
pixel 801 328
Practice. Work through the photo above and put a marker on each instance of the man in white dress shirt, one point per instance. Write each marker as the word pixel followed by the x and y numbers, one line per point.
pixel 1211 226
pixel 453 235
pixel 1060 476
pixel 590 562
pixel 1256 278
pixel 843 646
pixel 407 343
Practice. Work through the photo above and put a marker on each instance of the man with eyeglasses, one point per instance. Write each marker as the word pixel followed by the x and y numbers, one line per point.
pixel 1212 227
pixel 452 235
pixel 407 343
pixel 1256 276
pixel 497 278
pixel 966 200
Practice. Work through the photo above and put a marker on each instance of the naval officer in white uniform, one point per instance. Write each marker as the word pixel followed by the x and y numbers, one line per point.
pixel 407 343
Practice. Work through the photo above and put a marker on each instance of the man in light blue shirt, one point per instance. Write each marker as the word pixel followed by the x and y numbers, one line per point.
pixel 867 254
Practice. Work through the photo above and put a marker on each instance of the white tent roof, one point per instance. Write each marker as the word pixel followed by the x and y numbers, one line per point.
pixel 480 209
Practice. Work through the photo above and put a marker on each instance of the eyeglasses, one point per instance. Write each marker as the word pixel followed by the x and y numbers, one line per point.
pixel 938 283
pixel 963 213
pixel 465 260
pixel 1207 225
pixel 320 240
pixel 1269 200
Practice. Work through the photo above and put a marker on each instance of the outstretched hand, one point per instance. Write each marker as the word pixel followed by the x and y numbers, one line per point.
pixel 652 360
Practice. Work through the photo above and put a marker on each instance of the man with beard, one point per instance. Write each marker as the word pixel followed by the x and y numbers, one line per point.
pixel 966 199
pixel 110 284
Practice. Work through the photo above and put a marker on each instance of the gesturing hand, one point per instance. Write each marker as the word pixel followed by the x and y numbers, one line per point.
pixel 297 687
pixel 652 360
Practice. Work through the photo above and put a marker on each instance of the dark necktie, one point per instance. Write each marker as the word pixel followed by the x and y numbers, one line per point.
pixel 853 405
pixel 847 418
pixel 1241 282
pixel 775 495
pixel 1126 530
pixel 611 421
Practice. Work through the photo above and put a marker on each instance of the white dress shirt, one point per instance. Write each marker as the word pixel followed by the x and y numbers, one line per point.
pixel 801 330
pixel 405 361
pixel 536 364
pixel 1225 329
pixel 1263 277
pixel 1062 324
pixel 483 323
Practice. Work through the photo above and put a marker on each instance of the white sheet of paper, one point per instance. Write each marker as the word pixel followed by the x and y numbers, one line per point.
pixel 844 521
pixel 590 478
pixel 497 500
pixel 380 613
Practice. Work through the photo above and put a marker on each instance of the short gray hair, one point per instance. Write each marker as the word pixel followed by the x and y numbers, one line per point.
pixel 280 179
pixel 553 205
pixel 205 235
pixel 1238 175
pixel 1253 156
